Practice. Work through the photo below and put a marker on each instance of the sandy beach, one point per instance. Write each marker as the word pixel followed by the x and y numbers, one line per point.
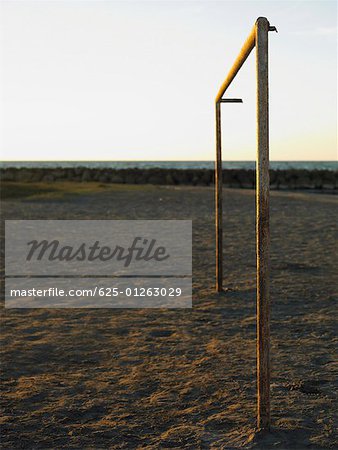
pixel 182 379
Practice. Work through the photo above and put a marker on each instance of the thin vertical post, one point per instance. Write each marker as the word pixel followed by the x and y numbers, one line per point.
pixel 218 201
pixel 262 227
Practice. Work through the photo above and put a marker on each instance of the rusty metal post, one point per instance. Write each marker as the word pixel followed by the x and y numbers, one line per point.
pixel 243 55
pixel 262 227
pixel 218 200
pixel 259 38
pixel 218 192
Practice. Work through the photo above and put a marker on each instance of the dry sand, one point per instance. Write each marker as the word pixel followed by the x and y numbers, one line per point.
pixel 157 379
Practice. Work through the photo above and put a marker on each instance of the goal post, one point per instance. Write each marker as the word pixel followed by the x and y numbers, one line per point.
pixel 257 38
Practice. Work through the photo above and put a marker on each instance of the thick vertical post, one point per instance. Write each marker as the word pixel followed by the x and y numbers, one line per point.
pixel 218 200
pixel 262 227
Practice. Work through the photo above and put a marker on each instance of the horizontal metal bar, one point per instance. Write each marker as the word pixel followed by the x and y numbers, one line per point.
pixel 231 100
pixel 243 54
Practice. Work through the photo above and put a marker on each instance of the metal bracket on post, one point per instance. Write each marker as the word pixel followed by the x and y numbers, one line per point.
pixel 231 100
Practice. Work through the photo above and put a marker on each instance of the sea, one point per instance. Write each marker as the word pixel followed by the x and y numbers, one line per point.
pixel 277 165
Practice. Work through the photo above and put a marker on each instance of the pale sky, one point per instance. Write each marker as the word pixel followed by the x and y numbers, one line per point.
pixel 136 80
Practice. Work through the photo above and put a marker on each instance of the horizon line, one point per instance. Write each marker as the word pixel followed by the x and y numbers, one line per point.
pixel 162 160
